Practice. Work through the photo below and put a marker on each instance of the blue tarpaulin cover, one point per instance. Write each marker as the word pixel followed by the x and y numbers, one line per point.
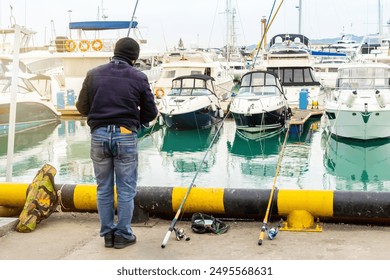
pixel 101 25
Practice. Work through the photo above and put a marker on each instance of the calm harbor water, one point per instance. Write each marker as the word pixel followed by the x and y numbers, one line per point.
pixel 311 160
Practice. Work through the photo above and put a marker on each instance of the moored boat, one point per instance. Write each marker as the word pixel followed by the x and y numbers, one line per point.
pixel 33 109
pixel 191 103
pixel 289 56
pixel 260 103
pixel 359 106
pixel 188 62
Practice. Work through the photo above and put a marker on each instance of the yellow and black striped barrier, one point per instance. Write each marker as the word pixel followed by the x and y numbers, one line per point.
pixel 328 205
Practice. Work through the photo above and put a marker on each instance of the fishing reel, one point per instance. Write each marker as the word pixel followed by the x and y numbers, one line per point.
pixel 180 234
pixel 272 232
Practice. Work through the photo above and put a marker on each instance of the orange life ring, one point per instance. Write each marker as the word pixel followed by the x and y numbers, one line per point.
pixel 83 45
pixel 160 93
pixel 97 44
pixel 70 45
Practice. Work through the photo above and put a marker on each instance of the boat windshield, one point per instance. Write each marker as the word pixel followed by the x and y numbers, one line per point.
pixel 191 87
pixel 259 84
pixel 363 78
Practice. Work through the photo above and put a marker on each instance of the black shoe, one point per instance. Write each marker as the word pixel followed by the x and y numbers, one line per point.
pixel 121 242
pixel 109 240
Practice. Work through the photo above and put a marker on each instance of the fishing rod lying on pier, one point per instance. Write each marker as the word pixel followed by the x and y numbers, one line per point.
pixel 180 209
pixel 271 197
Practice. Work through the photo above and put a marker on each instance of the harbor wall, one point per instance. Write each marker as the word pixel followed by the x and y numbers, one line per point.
pixel 326 205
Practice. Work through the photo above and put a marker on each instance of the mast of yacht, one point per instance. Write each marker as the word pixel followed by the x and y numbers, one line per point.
pixel 228 29
pixel 380 19
pixel 300 17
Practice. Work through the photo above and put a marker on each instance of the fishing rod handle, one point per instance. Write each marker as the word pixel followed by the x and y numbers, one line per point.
pixel 262 232
pixel 166 238
pixel 261 238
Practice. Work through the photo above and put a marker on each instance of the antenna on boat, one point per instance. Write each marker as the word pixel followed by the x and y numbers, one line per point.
pixel 12 18
pixel 132 19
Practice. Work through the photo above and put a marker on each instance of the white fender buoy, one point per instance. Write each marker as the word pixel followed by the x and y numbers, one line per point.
pixel 221 113
pixel 380 99
pixel 351 98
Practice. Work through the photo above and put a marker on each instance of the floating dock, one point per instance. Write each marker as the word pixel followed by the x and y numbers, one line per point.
pixel 69 112
pixel 300 117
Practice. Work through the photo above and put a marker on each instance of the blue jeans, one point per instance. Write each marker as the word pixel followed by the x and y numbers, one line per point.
pixel 115 161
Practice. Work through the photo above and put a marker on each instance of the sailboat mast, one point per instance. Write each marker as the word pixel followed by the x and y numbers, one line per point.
pixel 380 18
pixel 300 17
pixel 228 28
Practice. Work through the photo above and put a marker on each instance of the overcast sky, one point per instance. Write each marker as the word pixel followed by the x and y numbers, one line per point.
pixel 201 22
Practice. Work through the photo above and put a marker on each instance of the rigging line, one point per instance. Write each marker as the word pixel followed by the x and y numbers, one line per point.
pixel 262 38
pixel 132 19
pixel 242 27
pixel 181 207
pixel 212 26
pixel 266 31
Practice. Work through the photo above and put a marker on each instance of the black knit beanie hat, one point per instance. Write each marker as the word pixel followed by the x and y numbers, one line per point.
pixel 127 48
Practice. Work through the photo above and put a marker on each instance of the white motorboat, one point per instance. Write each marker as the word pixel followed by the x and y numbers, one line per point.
pixel 260 103
pixel 33 108
pixel 289 57
pixel 183 63
pixel 191 103
pixel 359 106
pixel 326 69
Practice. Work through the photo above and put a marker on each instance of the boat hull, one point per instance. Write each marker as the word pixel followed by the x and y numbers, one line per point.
pixel 197 119
pixel 264 121
pixel 28 115
pixel 358 124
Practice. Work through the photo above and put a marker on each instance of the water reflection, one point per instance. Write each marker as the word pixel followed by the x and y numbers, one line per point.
pixel 187 148
pixel 28 139
pixel 235 160
pixel 32 147
pixel 250 145
pixel 357 165
pixel 256 154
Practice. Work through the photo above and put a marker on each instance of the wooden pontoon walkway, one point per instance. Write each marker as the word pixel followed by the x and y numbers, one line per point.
pixel 299 117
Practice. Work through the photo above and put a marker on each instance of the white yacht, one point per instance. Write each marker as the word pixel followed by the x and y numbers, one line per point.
pixel 359 106
pixel 183 62
pixel 191 103
pixel 289 57
pixel 260 103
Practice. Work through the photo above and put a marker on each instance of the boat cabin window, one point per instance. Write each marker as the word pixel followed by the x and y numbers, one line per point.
pixel 295 76
pixel 363 78
pixel 196 72
pixel 169 74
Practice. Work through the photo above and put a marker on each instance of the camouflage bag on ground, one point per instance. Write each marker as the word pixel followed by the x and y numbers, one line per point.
pixel 41 199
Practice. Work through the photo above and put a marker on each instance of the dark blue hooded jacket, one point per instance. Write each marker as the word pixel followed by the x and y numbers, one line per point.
pixel 116 93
